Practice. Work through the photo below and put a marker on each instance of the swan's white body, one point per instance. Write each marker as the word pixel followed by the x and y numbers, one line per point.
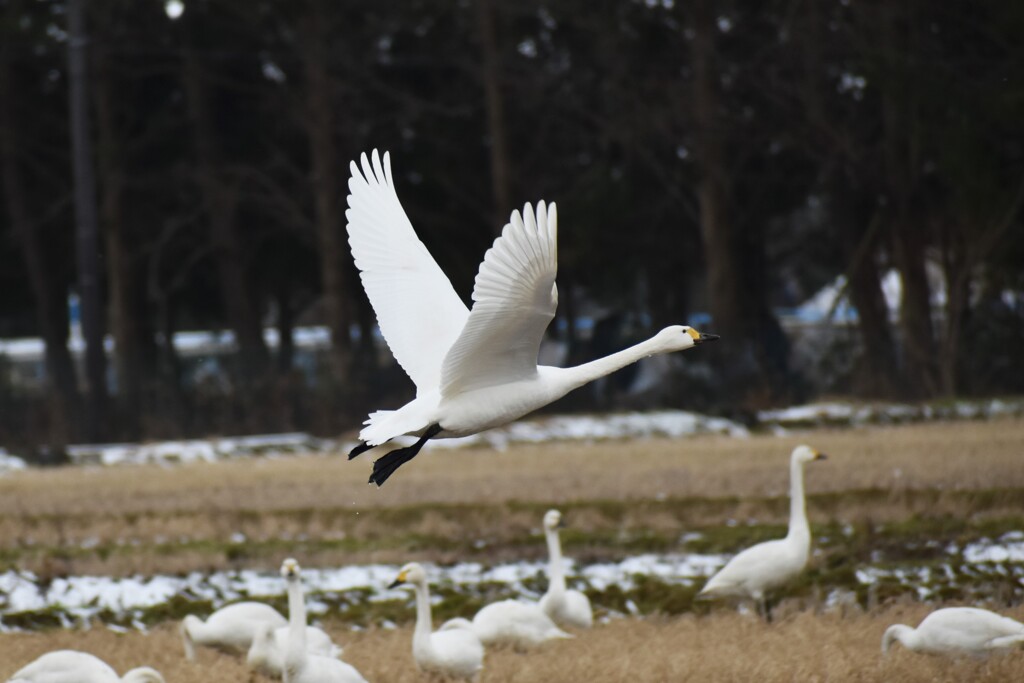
pixel 69 666
pixel 520 624
pixel 453 650
pixel 270 644
pixel 477 369
pixel 957 631
pixel 230 628
pixel 761 568
pixel 569 608
pixel 300 665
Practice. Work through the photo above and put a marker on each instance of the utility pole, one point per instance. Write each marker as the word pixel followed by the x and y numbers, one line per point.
pixel 86 238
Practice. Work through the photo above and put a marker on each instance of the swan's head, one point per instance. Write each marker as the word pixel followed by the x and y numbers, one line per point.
pixel 143 674
pixel 802 454
pixel 682 337
pixel 896 632
pixel 290 569
pixel 553 520
pixel 411 573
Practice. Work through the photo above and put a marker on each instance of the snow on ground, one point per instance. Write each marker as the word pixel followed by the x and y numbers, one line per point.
pixel 10 463
pixel 854 414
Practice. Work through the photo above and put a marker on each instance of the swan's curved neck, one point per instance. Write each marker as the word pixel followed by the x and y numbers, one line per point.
pixel 902 633
pixel 579 375
pixel 296 650
pixel 556 573
pixel 142 674
pixel 798 527
pixel 424 623
pixel 188 626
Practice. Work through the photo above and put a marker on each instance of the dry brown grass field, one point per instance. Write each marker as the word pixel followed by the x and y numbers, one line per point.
pixel 723 647
pixel 618 495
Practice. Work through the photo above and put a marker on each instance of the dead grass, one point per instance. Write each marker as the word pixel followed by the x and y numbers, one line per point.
pixel 723 647
pixel 156 519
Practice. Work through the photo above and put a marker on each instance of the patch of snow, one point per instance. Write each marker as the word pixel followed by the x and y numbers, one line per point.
pixel 10 463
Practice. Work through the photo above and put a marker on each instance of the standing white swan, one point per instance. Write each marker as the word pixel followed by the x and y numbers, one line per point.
pixel 765 566
pixel 454 650
pixel 269 645
pixel 300 665
pixel 230 628
pixel 477 369
pixel 565 607
pixel 957 631
pixel 69 666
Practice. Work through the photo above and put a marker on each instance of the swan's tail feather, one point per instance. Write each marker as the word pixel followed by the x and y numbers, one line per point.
pixel 385 466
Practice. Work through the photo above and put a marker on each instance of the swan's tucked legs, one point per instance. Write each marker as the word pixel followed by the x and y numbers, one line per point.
pixel 360 449
pixel 385 466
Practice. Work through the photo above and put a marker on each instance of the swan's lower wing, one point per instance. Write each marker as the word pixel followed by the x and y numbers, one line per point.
pixel 419 313
pixel 514 301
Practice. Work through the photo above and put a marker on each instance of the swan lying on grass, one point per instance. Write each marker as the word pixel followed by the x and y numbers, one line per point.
pixel 69 666
pixel 454 650
pixel 473 369
pixel 566 607
pixel 230 628
pixel 269 645
pixel 300 665
pixel 761 568
pixel 520 624
pixel 957 631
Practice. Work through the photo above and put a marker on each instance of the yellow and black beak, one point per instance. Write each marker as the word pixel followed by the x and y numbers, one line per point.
pixel 399 580
pixel 701 337
pixel 820 456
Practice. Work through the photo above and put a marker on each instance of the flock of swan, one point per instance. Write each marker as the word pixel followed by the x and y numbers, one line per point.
pixel 475 369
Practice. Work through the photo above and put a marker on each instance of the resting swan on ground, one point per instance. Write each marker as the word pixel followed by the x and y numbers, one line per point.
pixel 69 666
pixel 520 624
pixel 565 607
pixel 300 665
pixel 477 369
pixel 957 631
pixel 230 628
pixel 269 645
pixel 453 650
pixel 765 566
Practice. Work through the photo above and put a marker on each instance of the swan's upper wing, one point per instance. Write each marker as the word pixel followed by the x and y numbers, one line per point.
pixel 419 313
pixel 514 300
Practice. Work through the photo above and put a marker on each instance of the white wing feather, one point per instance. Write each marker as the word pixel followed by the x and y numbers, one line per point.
pixel 514 300
pixel 419 313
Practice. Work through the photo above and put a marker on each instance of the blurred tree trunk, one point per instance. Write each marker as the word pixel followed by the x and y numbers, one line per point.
pixel 328 188
pixel 496 132
pixel 737 290
pixel 47 291
pixel 127 320
pixel 86 231
pixel 908 217
pixel 240 305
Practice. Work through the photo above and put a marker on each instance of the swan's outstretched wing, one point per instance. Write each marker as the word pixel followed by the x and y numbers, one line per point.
pixel 418 311
pixel 514 300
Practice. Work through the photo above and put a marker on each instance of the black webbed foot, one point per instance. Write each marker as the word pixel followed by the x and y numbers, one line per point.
pixel 385 466
pixel 358 450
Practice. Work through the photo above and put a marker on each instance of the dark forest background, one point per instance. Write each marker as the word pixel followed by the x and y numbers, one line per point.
pixel 183 166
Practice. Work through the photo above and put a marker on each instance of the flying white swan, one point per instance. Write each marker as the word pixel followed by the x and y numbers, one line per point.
pixel 520 624
pixel 454 650
pixel 230 628
pixel 477 369
pixel 565 607
pixel 269 645
pixel 957 631
pixel 759 569
pixel 300 665
pixel 69 666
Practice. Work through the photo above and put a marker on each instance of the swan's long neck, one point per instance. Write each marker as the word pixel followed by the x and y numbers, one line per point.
pixel 798 527
pixel 556 573
pixel 189 626
pixel 296 650
pixel 903 634
pixel 424 624
pixel 579 375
